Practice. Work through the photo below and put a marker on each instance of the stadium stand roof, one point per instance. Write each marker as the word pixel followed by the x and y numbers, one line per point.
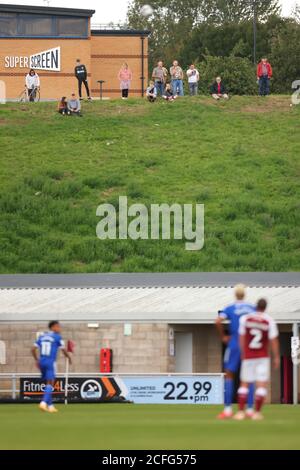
pixel 159 298
pixel 97 281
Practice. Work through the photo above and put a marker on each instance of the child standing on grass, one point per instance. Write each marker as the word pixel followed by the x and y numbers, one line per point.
pixel 125 78
pixel 63 106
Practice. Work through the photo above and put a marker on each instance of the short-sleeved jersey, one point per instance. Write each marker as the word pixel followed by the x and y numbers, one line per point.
pixel 233 313
pixel 258 329
pixel 49 343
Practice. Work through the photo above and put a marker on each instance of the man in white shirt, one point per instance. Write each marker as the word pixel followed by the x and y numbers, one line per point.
pixel 193 78
pixel 32 82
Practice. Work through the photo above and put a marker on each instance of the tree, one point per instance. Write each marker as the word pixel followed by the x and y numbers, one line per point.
pixel 227 11
pixel 285 54
pixel 174 21
pixel 171 22
pixel 237 73
pixel 296 13
pixel 221 40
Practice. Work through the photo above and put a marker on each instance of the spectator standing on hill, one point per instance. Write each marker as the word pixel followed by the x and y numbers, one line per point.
pixel 81 75
pixel 160 76
pixel 32 82
pixel 264 75
pixel 151 92
pixel 177 79
pixel 218 90
pixel 193 78
pixel 74 106
pixel 125 78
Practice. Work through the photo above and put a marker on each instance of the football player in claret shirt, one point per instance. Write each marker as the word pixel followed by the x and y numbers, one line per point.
pixel 45 351
pixel 232 359
pixel 258 332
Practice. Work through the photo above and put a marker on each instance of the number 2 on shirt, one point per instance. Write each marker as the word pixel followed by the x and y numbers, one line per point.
pixel 256 342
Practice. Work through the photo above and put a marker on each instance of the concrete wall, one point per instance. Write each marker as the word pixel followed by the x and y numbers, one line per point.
pixel 145 351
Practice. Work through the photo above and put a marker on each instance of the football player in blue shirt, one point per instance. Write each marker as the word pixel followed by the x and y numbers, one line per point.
pixel 45 351
pixel 232 358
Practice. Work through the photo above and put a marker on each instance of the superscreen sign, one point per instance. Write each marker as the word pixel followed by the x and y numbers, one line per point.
pixel 49 60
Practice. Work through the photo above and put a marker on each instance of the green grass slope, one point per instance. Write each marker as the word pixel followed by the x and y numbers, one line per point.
pixel 240 159
pixel 133 427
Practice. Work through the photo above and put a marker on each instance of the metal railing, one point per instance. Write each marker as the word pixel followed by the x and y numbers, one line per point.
pixel 109 26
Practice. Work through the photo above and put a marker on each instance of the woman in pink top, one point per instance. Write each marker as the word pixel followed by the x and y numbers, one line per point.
pixel 125 77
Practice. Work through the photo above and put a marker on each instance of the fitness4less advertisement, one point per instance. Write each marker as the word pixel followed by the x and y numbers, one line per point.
pixel 201 390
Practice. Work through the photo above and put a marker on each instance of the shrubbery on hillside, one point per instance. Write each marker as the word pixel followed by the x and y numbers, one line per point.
pixel 238 74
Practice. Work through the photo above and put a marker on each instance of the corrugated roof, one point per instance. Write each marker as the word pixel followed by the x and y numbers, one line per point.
pixel 149 304
pixel 149 280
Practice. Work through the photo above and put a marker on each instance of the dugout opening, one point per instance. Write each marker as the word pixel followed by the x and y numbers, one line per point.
pixel 197 349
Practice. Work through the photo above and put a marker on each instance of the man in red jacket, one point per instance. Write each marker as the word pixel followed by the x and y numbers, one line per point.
pixel 264 74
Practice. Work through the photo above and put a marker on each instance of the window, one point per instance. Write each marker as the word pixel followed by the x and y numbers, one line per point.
pixel 8 24
pixel 32 25
pixel 71 27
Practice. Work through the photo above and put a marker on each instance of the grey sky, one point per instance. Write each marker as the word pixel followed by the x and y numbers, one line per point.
pixel 111 10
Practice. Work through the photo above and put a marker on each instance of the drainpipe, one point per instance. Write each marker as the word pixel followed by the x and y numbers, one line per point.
pixel 143 66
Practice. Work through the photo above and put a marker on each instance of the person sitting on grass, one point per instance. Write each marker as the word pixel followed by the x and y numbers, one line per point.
pixel 168 93
pixel 74 106
pixel 63 106
pixel 151 92
pixel 218 90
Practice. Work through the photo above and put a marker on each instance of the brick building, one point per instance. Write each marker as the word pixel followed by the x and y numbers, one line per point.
pixel 153 323
pixel 51 39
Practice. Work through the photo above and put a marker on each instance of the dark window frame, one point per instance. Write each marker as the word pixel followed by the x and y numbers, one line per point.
pixel 22 17
pixel 14 17
pixel 54 27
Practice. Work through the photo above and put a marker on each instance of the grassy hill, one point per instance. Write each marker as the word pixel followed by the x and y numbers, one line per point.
pixel 241 159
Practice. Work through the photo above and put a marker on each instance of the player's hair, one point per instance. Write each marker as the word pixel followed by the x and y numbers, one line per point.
pixel 240 291
pixel 262 305
pixel 52 324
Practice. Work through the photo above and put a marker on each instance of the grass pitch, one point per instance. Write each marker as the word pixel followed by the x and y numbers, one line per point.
pixel 240 159
pixel 135 427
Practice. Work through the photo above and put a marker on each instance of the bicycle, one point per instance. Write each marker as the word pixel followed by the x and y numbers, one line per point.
pixel 32 95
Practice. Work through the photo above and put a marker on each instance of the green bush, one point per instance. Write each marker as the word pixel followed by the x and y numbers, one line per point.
pixel 237 73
